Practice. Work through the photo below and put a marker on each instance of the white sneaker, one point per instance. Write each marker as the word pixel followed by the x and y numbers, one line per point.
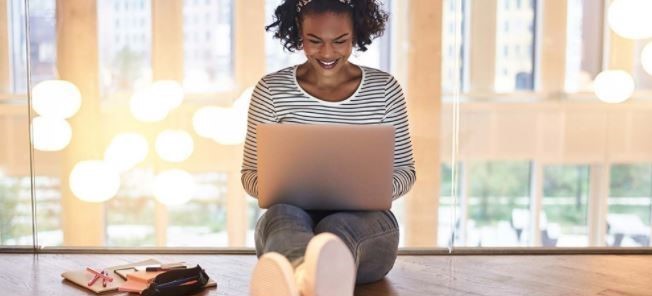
pixel 273 276
pixel 328 268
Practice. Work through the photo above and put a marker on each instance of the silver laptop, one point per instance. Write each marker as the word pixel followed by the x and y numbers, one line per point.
pixel 326 166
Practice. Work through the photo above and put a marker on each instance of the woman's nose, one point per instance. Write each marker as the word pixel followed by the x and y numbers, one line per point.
pixel 327 51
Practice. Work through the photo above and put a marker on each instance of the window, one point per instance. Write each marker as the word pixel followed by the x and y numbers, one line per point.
pixel 520 68
pixel 630 205
pixel 43 49
pixel 449 212
pixel 642 78
pixel 453 17
pixel 208 62
pixel 15 188
pixel 563 221
pixel 583 44
pixel 202 221
pixel 497 203
pixel 125 48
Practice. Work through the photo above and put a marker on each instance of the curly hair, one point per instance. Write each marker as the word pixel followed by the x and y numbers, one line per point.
pixel 367 17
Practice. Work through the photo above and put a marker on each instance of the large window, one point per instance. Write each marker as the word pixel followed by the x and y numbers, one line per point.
pixel 534 163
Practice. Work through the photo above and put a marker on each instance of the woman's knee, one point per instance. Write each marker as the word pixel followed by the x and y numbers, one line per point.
pixel 282 216
pixel 376 257
pixel 281 212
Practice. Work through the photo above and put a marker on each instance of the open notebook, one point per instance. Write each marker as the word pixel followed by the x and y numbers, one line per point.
pixel 137 280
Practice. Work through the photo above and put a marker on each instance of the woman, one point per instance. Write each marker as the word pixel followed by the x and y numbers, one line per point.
pixel 304 252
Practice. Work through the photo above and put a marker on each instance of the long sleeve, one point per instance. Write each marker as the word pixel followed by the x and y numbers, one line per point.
pixel 261 110
pixel 404 170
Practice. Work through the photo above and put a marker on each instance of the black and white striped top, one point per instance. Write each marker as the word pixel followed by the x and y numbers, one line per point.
pixel 278 98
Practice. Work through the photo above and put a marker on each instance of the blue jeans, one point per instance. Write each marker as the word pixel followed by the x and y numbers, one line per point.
pixel 372 236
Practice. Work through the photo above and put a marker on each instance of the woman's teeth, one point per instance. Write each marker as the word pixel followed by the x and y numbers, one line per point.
pixel 327 65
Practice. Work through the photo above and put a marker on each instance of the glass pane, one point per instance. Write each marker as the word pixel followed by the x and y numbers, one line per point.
pixel 208 46
pixel 454 22
pixel 202 221
pixel 131 215
pixel 43 48
pixel 583 44
pixel 498 201
pixel 15 181
pixel 125 37
pixel 448 209
pixel 563 220
pixel 643 75
pixel 515 43
pixel 630 205
pixel 15 194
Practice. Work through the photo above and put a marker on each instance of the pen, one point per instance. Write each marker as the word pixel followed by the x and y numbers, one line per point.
pixel 164 268
pixel 97 275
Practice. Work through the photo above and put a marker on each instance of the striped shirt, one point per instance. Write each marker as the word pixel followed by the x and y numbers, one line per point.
pixel 278 98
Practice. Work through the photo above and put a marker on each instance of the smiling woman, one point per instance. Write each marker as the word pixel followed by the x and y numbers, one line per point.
pixel 327 88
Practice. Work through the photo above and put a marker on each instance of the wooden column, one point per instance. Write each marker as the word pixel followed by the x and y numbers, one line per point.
pixel 167 40
pixel 77 62
pixel 249 55
pixel 552 73
pixel 424 107
pixel 5 65
pixel 482 47
pixel 249 46
pixel 167 64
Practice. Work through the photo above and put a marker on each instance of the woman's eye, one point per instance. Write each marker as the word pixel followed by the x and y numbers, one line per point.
pixel 314 41
pixel 340 42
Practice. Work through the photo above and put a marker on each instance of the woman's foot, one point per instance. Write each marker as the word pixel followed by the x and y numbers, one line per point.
pixel 273 276
pixel 328 268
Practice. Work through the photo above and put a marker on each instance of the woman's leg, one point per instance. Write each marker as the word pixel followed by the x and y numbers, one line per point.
pixel 372 237
pixel 284 229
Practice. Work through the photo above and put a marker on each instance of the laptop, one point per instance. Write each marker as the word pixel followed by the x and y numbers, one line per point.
pixel 326 166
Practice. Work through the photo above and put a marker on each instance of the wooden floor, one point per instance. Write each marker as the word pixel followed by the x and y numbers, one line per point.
pixel 27 274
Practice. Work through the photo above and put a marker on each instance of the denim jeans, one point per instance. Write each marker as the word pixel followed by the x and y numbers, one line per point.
pixel 372 236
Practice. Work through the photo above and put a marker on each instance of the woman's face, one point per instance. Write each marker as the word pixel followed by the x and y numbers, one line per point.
pixel 327 41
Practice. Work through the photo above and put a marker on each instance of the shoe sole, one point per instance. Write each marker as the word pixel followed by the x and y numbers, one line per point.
pixel 273 276
pixel 329 267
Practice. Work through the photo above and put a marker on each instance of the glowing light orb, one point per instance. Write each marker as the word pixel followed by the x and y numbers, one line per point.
pixel 613 86
pixel 94 181
pixel 174 187
pixel 50 134
pixel 126 151
pixel 174 145
pixel 56 99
